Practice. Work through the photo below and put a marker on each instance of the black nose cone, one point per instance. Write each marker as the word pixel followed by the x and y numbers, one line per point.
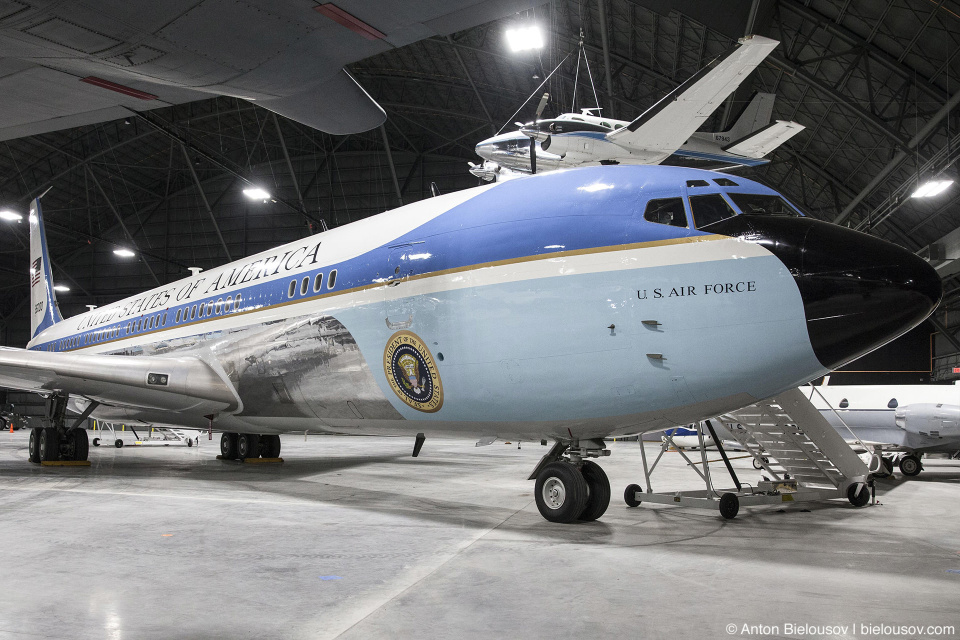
pixel 859 292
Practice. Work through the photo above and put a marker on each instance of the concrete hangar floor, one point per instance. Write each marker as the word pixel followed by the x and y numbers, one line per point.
pixel 353 538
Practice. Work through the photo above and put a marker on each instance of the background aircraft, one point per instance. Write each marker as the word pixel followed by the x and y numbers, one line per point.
pixel 67 64
pixel 664 133
pixel 901 422
pixel 597 302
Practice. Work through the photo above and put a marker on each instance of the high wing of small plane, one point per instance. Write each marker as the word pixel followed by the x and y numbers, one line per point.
pixel 67 64
pixel 573 306
pixel 664 133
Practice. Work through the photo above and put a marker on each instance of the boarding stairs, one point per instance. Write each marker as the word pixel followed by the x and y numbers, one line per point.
pixel 803 457
pixel 790 438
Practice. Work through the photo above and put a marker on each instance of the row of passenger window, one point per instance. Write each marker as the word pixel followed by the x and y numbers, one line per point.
pixel 209 309
pixel 112 333
pixel 317 284
pixel 710 208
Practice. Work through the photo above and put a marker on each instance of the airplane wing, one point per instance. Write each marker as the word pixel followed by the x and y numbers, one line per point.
pixel 68 64
pixel 664 127
pixel 182 384
pixel 759 143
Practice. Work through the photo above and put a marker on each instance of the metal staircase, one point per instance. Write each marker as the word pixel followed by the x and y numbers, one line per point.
pixel 791 431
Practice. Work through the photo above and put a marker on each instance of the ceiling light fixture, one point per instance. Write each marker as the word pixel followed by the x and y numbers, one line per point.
pixel 524 38
pixel 11 216
pixel 124 253
pixel 931 188
pixel 61 287
pixel 256 193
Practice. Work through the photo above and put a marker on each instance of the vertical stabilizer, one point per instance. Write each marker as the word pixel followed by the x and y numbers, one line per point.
pixel 44 311
pixel 755 116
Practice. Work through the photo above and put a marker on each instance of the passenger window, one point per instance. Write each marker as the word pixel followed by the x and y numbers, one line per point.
pixel 317 282
pixel 178 315
pixel 293 289
pixel 226 305
pixel 218 306
pixel 697 183
pixel 200 313
pixel 304 286
pixel 709 209
pixel 236 303
pixel 332 280
pixel 210 308
pixel 193 312
pixel 666 211
pixel 758 203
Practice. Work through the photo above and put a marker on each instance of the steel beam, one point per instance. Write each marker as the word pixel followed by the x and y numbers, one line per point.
pixel 293 174
pixel 393 168
pixel 602 8
pixel 473 86
pixel 206 203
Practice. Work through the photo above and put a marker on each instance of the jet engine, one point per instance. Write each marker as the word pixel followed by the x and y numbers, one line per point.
pixel 931 420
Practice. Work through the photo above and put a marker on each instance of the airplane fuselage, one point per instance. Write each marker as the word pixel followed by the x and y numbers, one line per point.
pixel 541 307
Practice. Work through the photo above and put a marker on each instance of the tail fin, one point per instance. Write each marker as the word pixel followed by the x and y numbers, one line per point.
pixel 759 143
pixel 44 311
pixel 755 116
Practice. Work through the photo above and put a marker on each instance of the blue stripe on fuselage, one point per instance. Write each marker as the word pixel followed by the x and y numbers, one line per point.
pixel 567 210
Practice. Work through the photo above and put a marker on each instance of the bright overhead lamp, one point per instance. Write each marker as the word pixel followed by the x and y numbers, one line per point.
pixel 61 287
pixel 524 38
pixel 931 188
pixel 11 216
pixel 124 253
pixel 256 193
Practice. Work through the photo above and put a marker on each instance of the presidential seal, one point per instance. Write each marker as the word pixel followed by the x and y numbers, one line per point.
pixel 412 373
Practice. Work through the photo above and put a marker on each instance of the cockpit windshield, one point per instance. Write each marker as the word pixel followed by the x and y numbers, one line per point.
pixel 763 204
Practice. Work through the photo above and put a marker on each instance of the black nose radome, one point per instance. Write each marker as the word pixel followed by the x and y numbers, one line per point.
pixel 859 292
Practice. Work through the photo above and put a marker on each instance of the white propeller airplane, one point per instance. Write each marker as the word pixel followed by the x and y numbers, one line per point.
pixel 664 133
pixel 571 306
pixel 899 424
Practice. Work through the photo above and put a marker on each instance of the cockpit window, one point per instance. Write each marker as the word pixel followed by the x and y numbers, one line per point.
pixel 763 204
pixel 709 209
pixel 666 211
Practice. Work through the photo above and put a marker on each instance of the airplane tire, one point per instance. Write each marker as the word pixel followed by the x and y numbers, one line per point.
pixel 560 492
pixel 248 446
pixel 858 499
pixel 910 465
pixel 228 446
pixel 189 442
pixel 270 446
pixel 630 495
pixel 49 444
pixel 96 442
pixel 729 506
pixel 34 447
pixel 81 445
pixel 118 443
pixel 598 492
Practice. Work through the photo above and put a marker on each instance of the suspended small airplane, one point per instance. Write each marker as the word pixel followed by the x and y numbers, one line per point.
pixel 666 133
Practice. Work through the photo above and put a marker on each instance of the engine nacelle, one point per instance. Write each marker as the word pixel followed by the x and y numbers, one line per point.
pixel 930 420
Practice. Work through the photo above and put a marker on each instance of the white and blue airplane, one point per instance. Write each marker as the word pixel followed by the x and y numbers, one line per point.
pixel 572 306
pixel 666 133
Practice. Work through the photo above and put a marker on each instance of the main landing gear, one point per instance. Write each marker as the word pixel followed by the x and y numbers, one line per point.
pixel 55 442
pixel 570 488
pixel 240 446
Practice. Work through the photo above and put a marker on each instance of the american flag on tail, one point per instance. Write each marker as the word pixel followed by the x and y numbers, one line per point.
pixel 35 272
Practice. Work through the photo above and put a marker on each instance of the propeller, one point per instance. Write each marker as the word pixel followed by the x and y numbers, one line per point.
pixel 536 129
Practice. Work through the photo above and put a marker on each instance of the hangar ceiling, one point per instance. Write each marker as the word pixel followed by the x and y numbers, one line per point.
pixel 875 84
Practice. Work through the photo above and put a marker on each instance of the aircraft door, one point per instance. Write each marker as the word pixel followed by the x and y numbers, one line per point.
pixel 398 299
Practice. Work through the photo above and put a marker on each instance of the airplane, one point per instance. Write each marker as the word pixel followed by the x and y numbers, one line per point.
pixel 570 306
pixel 900 423
pixel 69 64
pixel 666 133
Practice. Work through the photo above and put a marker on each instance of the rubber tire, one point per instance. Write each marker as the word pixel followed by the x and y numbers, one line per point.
pixel 81 444
pixel 96 442
pixel 248 446
pixel 270 446
pixel 49 444
pixel 118 443
pixel 189 442
pixel 860 500
pixel 33 450
pixel 228 446
pixel 598 491
pixel 729 506
pixel 759 467
pixel 630 495
pixel 912 466
pixel 575 492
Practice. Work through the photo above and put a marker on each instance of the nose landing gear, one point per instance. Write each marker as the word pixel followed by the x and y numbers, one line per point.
pixel 569 488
